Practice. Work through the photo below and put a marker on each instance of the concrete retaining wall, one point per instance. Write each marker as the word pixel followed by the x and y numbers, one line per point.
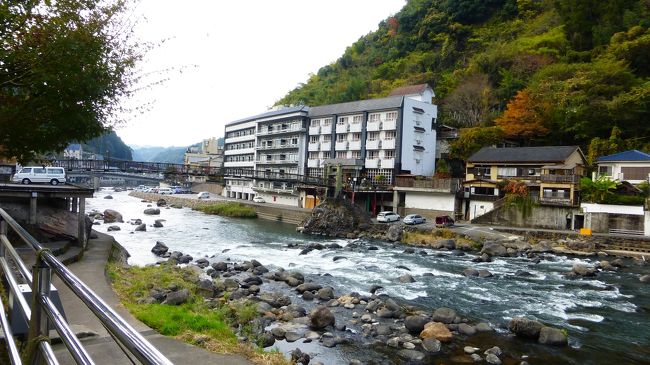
pixel 209 187
pixel 291 215
pixel 541 217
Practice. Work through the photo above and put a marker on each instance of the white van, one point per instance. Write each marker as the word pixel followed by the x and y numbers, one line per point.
pixel 40 174
pixel 164 191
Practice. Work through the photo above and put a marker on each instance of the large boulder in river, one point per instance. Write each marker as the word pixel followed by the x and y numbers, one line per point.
pixel 321 317
pixel 552 336
pixel 583 270
pixel 336 218
pixel 394 233
pixel 444 315
pixel 112 216
pixel 415 324
pixel 160 248
pixel 152 211
pixel 161 203
pixel 524 327
pixel 494 249
pixel 438 331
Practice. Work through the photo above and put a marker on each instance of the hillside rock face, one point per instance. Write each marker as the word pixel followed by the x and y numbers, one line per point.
pixel 336 218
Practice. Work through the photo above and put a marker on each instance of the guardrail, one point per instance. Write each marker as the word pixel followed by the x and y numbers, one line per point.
pixel 46 315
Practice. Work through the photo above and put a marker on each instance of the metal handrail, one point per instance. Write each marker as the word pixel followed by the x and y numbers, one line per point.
pixel 116 325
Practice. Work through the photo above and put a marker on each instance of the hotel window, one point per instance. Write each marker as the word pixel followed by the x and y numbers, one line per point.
pixel 342 120
pixel 389 154
pixel 356 136
pixel 315 123
pixel 327 121
pixel 372 136
pixel 326 154
pixel 327 138
pixel 313 139
pixel 341 137
pixel 357 119
pixel 342 154
pixel 389 135
pixel 313 155
pixel 374 117
pixel 373 155
pixel 294 141
pixel 507 171
pixel 356 154
pixel 390 116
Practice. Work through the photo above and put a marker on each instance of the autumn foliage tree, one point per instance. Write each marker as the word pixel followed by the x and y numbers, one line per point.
pixel 521 121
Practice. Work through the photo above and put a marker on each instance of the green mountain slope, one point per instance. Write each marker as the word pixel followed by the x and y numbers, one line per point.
pixel 109 144
pixel 532 71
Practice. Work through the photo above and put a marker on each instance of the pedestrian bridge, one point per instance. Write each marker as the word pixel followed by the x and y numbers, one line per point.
pixel 211 173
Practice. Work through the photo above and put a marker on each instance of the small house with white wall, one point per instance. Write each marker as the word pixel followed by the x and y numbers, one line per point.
pixel 632 166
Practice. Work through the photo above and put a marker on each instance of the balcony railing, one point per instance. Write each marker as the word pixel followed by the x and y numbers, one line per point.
pixel 277 161
pixel 451 185
pixel 572 179
pixel 280 131
pixel 277 146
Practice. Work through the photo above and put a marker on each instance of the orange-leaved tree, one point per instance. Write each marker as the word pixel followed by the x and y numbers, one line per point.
pixel 521 120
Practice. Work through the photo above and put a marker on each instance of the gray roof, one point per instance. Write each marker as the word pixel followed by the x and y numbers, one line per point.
pixel 271 113
pixel 390 102
pixel 523 154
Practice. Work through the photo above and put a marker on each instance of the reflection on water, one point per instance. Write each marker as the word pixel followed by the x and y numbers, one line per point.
pixel 607 317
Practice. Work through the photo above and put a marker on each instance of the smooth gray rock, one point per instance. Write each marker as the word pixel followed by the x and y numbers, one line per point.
pixel 160 248
pixel 552 336
pixel 444 315
pixel 406 278
pixel 524 327
pixel 492 359
pixel 415 324
pixel 410 355
pixel 141 228
pixel 431 345
pixel 321 317
pixel 466 329
pixel 177 297
pixel 152 211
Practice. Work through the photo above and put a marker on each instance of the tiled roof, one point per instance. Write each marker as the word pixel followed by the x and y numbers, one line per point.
pixel 523 154
pixel 271 113
pixel 409 90
pixel 390 102
pixel 631 155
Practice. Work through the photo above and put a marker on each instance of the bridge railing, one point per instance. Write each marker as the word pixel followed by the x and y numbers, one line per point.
pixel 179 169
pixel 46 315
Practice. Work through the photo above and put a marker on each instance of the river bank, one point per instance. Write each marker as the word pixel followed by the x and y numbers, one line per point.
pixel 595 311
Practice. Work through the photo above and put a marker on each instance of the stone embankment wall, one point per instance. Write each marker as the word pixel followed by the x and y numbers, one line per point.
pixel 291 215
pixel 209 187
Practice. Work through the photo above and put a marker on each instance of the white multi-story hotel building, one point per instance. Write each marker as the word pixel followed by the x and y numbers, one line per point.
pixel 377 138
pixel 273 145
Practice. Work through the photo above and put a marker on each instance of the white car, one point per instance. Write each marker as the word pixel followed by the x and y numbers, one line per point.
pixel 387 216
pixel 414 219
pixel 164 191
pixel 259 199
pixel 203 195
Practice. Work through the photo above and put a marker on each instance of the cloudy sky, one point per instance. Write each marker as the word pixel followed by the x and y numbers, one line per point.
pixel 237 59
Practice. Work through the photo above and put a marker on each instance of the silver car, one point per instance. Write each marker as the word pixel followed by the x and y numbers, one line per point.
pixel 414 219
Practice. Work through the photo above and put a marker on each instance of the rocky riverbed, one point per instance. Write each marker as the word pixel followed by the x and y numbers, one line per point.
pixel 514 278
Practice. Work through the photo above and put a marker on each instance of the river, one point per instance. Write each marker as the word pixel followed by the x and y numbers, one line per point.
pixel 607 317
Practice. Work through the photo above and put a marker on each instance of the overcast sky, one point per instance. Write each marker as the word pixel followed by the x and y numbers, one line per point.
pixel 238 58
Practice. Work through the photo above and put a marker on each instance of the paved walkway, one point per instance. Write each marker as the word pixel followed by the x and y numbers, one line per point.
pixel 102 348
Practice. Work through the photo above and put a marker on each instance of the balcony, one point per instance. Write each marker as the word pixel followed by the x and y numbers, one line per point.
pixel 269 190
pixel 276 161
pixel 388 163
pixel 313 163
pixel 563 179
pixel 451 185
pixel 373 145
pixel 355 127
pixel 277 146
pixel 373 126
pixel 389 125
pixel 313 147
pixel 267 132
pixel 355 145
pixel 326 146
pixel 341 146
pixel 314 130
pixel 342 128
pixel 241 151
pixel 239 164
pixel 372 163
pixel 326 129
pixel 388 144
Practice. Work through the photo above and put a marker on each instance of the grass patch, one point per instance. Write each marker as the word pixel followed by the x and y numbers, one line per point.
pixel 229 209
pixel 210 324
pixel 429 238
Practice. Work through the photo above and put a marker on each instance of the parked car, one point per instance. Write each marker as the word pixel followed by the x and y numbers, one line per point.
pixel 203 195
pixel 40 174
pixel 387 216
pixel 414 219
pixel 164 191
pixel 259 199
pixel 444 221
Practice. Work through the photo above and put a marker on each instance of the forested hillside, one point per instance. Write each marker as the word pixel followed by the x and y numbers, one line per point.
pixel 110 145
pixel 534 72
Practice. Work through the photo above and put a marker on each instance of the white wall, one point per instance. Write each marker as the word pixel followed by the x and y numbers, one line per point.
pixel 427 160
pixel 614 209
pixel 418 200
pixel 617 172
pixel 478 208
pixel 291 200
